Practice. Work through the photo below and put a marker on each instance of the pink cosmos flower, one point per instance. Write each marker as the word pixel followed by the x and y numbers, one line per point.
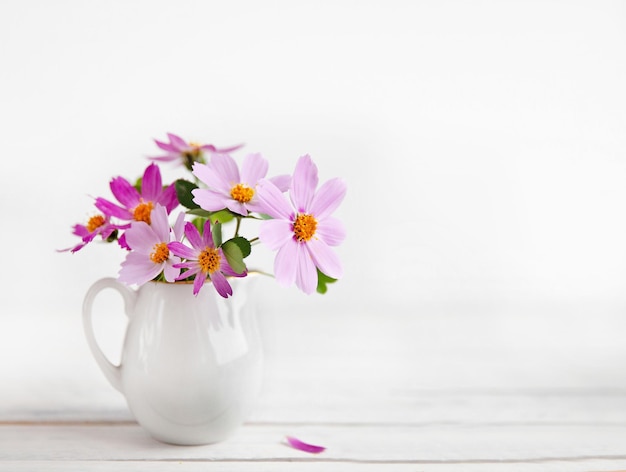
pixel 138 206
pixel 203 260
pixel 177 149
pixel 303 229
pixel 229 188
pixel 97 225
pixel 150 255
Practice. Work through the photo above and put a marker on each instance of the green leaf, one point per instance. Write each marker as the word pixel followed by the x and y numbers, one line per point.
pixel 217 234
pixel 183 192
pixel 322 281
pixel 138 184
pixel 223 216
pixel 263 216
pixel 199 224
pixel 199 212
pixel 112 237
pixel 234 256
pixel 243 243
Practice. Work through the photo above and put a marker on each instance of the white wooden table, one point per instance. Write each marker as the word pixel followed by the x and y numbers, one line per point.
pixel 425 388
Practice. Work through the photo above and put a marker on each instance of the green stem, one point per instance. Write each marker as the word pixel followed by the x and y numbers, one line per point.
pixel 237 227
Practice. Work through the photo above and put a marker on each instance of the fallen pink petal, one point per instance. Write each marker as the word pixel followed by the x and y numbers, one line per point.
pixel 302 446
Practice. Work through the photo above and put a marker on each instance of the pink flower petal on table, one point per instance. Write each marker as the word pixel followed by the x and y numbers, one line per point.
pixel 302 446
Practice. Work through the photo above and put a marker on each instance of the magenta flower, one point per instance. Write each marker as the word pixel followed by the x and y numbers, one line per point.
pixel 229 188
pixel 177 149
pixel 150 255
pixel 97 225
pixel 203 260
pixel 303 229
pixel 138 206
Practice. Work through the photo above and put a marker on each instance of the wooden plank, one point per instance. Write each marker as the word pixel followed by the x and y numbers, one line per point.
pixel 590 465
pixel 355 445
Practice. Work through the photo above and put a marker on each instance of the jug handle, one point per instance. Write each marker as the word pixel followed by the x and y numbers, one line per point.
pixel 111 371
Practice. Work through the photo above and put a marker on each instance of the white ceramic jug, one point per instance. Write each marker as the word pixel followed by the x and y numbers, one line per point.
pixel 191 366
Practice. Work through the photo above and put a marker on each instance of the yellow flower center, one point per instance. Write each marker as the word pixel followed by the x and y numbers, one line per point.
pixel 304 227
pixel 142 212
pixel 160 254
pixel 95 222
pixel 242 193
pixel 209 260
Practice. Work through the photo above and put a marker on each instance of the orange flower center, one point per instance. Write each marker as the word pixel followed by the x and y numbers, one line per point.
pixel 209 260
pixel 304 227
pixel 95 222
pixel 242 193
pixel 142 212
pixel 160 254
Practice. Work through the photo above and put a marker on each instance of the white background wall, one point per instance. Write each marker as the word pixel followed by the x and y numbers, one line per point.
pixel 483 142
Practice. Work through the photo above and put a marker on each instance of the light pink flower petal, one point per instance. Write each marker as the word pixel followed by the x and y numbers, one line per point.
pixel 159 223
pixel 209 200
pixel 328 198
pixel 151 184
pixel 253 169
pixel 331 231
pixel 255 205
pixel 286 263
pixel 124 192
pixel 213 179
pixel 210 147
pixel 283 182
pixel 306 275
pixel 226 167
pixel 171 272
pixel 324 258
pixel 273 201
pixel 221 284
pixel 302 446
pixel 168 158
pixel 275 233
pixel 141 237
pixel 178 142
pixel 165 146
pixel 138 269
pixel 179 226
pixel 183 251
pixel 185 275
pixel 237 207
pixel 303 184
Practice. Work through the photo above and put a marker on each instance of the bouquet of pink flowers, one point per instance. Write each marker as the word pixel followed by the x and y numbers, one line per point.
pixel 296 220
